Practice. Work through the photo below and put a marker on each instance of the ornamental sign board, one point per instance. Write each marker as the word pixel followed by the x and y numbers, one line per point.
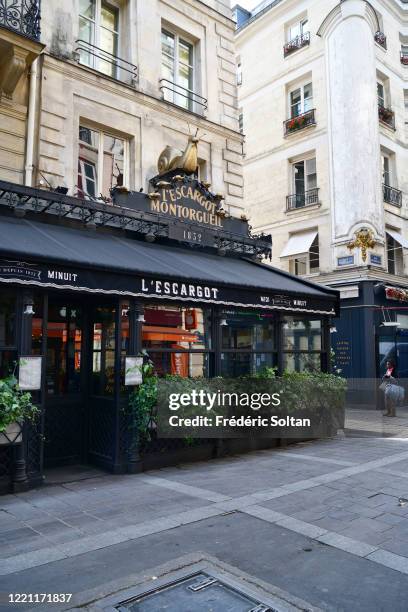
pixel 185 201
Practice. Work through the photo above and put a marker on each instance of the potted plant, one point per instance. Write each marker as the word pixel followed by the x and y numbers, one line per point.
pixel 15 408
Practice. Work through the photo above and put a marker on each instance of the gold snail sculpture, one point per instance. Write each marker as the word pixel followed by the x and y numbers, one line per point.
pixel 175 159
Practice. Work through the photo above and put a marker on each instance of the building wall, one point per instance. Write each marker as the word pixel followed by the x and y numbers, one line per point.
pixel 342 63
pixel 72 93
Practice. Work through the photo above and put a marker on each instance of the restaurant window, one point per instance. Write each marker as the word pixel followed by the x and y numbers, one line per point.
pixel 8 340
pixel 247 343
pixel 178 340
pixel 103 351
pixel 302 344
pixel 98 35
pixel 301 100
pixel 102 163
pixel 177 69
pixel 395 257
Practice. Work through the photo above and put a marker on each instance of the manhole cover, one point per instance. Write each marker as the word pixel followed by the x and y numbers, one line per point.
pixel 200 592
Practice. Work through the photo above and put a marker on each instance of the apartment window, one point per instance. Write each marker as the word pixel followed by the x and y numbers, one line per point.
pixel 239 73
pixel 178 70
pixel 306 263
pixel 98 27
pixel 381 94
pixel 102 163
pixel 304 176
pixel 394 256
pixel 301 100
pixel 241 121
pixel 386 169
pixel 297 29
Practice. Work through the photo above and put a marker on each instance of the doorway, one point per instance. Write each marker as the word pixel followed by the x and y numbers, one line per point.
pixel 65 425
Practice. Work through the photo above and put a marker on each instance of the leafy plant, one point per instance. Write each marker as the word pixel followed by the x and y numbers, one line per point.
pixel 15 404
pixel 141 406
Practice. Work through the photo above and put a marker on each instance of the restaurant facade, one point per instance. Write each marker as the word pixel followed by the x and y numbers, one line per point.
pixel 85 285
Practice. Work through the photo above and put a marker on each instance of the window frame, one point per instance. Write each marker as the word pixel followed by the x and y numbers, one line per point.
pixel 306 259
pixel 396 260
pixel 306 180
pixel 172 95
pixel 300 87
pixel 300 23
pixel 102 132
pixel 97 27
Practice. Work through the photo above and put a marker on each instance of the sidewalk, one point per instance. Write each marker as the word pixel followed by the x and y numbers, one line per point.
pixel 325 522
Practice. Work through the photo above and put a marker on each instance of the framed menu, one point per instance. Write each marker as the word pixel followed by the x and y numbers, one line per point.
pixel 30 372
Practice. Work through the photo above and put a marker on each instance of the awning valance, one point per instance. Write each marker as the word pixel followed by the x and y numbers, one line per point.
pixel 299 243
pixel 61 257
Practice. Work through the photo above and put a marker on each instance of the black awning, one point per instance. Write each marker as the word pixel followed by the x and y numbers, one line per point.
pixel 79 259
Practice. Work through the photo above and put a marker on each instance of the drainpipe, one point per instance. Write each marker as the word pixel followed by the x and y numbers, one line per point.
pixel 31 124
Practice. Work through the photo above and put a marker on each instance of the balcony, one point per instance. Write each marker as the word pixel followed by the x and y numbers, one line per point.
pixel 302 200
pixel 392 196
pixel 299 122
pixel 183 97
pixel 381 39
pixel 105 62
pixel 21 16
pixel 296 43
pixel 386 116
pixel 404 57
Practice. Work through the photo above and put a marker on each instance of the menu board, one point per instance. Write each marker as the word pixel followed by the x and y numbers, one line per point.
pixel 133 371
pixel 29 373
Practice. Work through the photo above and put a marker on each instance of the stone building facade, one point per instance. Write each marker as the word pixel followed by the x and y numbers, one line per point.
pixel 324 108
pixel 116 82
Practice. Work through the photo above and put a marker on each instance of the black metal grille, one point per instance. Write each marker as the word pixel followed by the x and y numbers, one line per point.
pixel 181 96
pixel 381 39
pixel 294 124
pixel 300 200
pixel 105 62
pixel 22 16
pixel 296 43
pixel 392 195
pixel 386 115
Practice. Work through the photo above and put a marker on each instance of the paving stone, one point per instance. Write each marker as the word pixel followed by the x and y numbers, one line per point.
pixel 361 549
pixel 390 560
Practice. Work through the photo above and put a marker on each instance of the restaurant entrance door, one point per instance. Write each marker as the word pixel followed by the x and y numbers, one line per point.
pixel 65 425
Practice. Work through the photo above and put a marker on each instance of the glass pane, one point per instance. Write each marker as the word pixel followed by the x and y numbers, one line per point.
pixel 64 336
pixel 7 318
pixel 295 103
pixel 8 359
pixel 311 177
pixel 302 362
pixel 87 8
pixel 37 327
pixel 299 266
pixel 167 41
pixel 308 97
pixel 185 53
pixel 87 34
pixel 302 334
pixel 113 163
pixel 248 331
pixel 187 365
pixel 380 94
pixel 299 175
pixel 386 169
pixel 109 17
pixel 87 182
pixel 245 364
pixel 294 31
pixel 177 326
pixel 103 359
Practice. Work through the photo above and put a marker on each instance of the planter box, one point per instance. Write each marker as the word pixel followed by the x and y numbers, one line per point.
pixel 12 434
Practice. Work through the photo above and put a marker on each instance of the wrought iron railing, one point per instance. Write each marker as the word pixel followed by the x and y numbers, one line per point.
pixel 105 62
pixel 300 200
pixel 387 116
pixel 181 96
pixel 297 43
pixel 22 16
pixel 381 39
pixel 294 124
pixel 392 196
pixel 404 57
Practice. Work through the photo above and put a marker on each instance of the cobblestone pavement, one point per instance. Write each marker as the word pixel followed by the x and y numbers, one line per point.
pixel 349 494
